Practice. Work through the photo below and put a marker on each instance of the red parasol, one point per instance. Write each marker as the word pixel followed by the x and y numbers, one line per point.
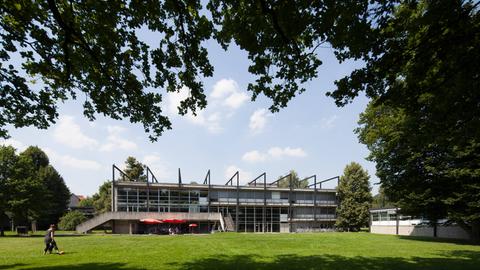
pixel 174 221
pixel 193 225
pixel 151 221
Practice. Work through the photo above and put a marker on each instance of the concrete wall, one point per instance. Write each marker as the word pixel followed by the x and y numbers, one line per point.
pixel 454 232
pixel 284 227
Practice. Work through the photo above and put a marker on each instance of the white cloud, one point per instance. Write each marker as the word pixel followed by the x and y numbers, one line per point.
pixel 69 133
pixel 232 169
pixel 235 100
pixel 15 144
pixel 174 99
pixel 258 120
pixel 328 122
pixel 212 122
pixel 274 153
pixel 254 156
pixel 225 99
pixel 116 142
pixel 277 152
pixel 229 93
pixel 72 162
pixel 158 166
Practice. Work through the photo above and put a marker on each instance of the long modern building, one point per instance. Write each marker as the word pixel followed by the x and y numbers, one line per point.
pixel 258 206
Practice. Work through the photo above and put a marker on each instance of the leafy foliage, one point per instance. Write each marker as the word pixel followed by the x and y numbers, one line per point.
pixel 425 172
pixel 354 198
pixel 87 202
pixel 102 201
pixel 31 189
pixel 134 171
pixel 381 200
pixel 70 220
pixel 56 50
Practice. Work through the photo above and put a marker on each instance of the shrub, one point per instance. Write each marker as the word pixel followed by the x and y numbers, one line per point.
pixel 70 220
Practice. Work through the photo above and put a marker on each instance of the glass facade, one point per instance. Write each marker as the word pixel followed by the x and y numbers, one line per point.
pixel 259 210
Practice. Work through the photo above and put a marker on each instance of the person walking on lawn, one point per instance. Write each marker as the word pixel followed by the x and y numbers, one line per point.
pixel 50 243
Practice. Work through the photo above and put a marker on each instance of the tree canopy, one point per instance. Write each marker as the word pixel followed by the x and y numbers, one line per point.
pixel 100 201
pixel 30 188
pixel 57 50
pixel 354 198
pixel 134 171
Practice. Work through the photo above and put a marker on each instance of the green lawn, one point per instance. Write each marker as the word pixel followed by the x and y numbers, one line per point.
pixel 240 251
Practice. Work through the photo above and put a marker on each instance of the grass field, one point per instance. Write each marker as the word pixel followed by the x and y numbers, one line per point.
pixel 240 251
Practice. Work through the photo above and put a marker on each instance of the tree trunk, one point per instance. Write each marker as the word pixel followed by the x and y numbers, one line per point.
pixel 475 232
pixel 435 229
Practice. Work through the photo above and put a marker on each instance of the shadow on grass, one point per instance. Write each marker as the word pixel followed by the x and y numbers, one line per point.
pixel 463 260
pixel 85 266
pixel 40 235
pixel 10 266
pixel 437 240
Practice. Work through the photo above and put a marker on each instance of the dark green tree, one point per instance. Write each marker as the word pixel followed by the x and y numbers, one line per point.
pixel 354 198
pixel 102 201
pixel 57 196
pixel 26 200
pixel 381 200
pixel 134 171
pixel 70 220
pixel 296 181
pixel 426 171
pixel 8 160
pixel 31 189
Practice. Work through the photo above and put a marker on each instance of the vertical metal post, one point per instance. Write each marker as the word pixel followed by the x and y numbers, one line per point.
pixel 238 203
pixel 290 214
pixel 315 199
pixel 148 194
pixel 113 189
pixel 179 178
pixel 264 201
pixel 208 194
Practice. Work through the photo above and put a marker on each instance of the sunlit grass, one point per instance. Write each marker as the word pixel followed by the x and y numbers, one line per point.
pixel 240 251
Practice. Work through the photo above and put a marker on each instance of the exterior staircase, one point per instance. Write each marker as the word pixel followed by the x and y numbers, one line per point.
pixel 229 224
pixel 108 216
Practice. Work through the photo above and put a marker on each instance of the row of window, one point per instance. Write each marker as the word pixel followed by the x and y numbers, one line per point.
pixel 174 197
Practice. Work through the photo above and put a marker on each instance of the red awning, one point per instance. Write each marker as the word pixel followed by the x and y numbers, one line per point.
pixel 174 221
pixel 151 221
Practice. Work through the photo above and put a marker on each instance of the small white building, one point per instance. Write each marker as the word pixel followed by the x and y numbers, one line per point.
pixel 386 221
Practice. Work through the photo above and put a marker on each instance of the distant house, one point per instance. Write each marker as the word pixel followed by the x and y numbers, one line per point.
pixel 74 204
pixel 75 200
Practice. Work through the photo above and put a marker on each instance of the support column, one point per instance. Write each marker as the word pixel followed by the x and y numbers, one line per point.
pixel 238 203
pixel 264 202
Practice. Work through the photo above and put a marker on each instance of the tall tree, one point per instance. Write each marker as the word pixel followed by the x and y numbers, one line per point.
pixel 8 160
pixel 426 171
pixel 296 181
pixel 354 198
pixel 26 200
pixel 134 171
pixel 57 196
pixel 31 189
pixel 102 201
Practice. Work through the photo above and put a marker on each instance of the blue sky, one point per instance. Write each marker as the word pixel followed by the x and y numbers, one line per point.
pixel 311 135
